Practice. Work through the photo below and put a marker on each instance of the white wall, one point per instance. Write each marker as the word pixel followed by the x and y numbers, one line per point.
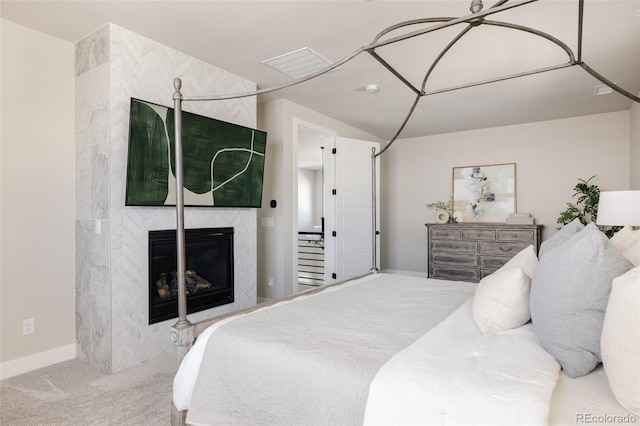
pixel 37 196
pixel 309 200
pixel 550 157
pixel 318 198
pixel 306 199
pixel 634 157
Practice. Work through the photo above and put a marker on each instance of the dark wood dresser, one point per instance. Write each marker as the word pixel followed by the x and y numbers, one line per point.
pixel 471 251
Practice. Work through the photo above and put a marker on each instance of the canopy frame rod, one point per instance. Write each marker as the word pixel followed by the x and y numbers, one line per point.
pixel 182 331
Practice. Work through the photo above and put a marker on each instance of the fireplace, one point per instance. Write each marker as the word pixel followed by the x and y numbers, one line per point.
pixel 208 276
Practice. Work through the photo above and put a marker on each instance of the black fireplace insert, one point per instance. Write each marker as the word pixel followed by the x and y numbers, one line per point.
pixel 208 275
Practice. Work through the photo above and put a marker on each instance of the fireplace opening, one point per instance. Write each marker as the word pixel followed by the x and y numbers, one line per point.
pixel 208 275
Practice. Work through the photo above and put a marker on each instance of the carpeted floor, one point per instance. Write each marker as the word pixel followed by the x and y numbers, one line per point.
pixel 72 393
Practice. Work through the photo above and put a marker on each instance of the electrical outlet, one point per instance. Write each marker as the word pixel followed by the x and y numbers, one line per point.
pixel 28 326
pixel 270 282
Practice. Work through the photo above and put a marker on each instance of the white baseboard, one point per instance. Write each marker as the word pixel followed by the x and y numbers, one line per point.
pixel 36 361
pixel 409 273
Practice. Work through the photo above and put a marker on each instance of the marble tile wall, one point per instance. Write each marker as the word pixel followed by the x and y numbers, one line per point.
pixel 112 66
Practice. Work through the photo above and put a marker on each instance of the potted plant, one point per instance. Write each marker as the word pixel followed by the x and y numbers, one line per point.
pixel 444 211
pixel 585 208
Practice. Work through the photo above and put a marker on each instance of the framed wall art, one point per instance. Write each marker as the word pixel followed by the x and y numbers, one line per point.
pixel 485 193
pixel 223 162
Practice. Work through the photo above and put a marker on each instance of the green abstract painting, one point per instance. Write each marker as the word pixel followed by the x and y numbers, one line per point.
pixel 223 163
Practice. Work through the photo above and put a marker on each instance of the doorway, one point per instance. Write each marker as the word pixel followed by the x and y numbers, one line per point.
pixel 332 207
pixel 314 212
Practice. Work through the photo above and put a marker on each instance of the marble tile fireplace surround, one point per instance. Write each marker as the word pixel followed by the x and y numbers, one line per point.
pixel 112 284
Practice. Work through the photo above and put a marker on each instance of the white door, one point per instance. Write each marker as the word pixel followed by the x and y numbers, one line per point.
pixel 353 206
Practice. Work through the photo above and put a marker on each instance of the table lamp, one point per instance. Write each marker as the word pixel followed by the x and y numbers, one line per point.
pixel 619 208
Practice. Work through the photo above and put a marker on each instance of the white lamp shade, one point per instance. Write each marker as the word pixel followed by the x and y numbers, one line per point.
pixel 619 208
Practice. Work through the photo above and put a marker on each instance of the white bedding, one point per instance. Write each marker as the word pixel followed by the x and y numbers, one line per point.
pixel 502 378
pixel 587 399
pixel 454 375
pixel 259 369
pixel 187 374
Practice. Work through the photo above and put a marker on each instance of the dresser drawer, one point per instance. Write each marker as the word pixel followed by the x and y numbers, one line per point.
pixel 479 234
pixel 493 262
pixel 452 234
pixel 455 274
pixel 455 246
pixel 510 249
pixel 454 259
pixel 471 251
pixel 515 235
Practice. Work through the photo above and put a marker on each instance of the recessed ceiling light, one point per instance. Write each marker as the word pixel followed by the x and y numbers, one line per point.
pixel 371 88
pixel 602 90
pixel 299 63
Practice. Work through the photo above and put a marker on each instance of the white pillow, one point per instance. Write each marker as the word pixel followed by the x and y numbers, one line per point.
pixel 620 340
pixel 501 300
pixel 633 254
pixel 525 259
pixel 625 238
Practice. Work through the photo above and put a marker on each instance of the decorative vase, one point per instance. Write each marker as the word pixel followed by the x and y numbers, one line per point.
pixel 442 216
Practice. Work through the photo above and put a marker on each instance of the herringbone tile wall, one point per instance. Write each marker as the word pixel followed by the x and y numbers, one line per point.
pixel 112 66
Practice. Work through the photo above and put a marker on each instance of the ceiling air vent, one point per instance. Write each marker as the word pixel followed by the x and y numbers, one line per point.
pixel 299 63
pixel 602 90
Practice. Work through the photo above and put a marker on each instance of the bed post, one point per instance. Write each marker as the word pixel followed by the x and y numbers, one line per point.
pixel 374 213
pixel 182 330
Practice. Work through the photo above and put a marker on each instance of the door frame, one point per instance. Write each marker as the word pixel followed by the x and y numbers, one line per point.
pixel 330 135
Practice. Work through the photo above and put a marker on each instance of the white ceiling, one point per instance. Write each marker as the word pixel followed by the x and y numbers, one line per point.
pixel 238 35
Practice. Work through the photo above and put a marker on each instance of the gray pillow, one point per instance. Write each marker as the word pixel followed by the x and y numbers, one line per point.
pixel 569 295
pixel 566 232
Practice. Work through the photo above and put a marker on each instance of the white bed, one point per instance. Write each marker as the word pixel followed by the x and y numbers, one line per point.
pixel 577 400
pixel 393 351
pixel 315 352
pixel 390 349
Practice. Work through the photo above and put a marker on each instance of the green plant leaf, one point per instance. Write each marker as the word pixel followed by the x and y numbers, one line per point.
pixel 585 208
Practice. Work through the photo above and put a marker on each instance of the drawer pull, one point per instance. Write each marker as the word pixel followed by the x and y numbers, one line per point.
pixel 505 249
